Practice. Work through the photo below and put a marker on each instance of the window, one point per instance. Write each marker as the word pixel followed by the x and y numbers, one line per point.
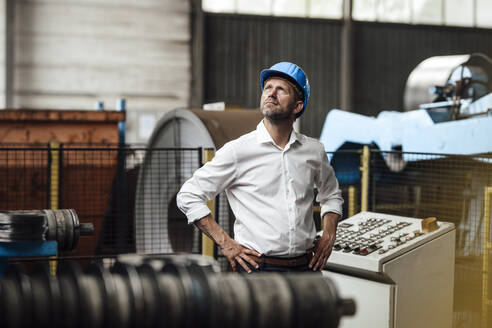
pixel 484 13
pixel 398 11
pixel 436 12
pixel 325 9
pixel 255 7
pixel 427 12
pixel 458 12
pixel 294 8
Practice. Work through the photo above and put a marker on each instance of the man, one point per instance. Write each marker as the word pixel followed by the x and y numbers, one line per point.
pixel 269 176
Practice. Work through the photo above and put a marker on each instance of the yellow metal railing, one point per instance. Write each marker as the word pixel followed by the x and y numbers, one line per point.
pixel 487 246
pixel 364 187
pixel 54 175
pixel 351 201
pixel 54 187
pixel 207 243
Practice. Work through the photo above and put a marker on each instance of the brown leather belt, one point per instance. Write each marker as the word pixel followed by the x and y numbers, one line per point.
pixel 285 262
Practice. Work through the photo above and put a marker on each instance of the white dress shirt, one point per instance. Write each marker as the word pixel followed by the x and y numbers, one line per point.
pixel 270 190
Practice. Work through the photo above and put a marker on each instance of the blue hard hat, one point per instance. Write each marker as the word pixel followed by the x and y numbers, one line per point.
pixel 291 72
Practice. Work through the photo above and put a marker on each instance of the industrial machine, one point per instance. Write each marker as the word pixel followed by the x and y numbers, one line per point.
pixel 448 110
pixel 175 152
pixel 399 270
pixel 37 233
pixel 171 291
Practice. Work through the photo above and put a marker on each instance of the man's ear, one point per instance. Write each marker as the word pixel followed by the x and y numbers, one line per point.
pixel 299 107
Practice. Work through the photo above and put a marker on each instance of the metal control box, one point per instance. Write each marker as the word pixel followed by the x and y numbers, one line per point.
pixel 398 275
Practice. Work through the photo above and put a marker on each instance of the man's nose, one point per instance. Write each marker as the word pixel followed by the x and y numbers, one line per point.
pixel 272 92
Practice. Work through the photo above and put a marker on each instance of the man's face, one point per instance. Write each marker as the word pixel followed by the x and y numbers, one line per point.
pixel 278 100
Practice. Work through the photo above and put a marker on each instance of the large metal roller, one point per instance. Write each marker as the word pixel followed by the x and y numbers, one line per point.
pixel 24 226
pixel 278 300
pixel 160 225
pixel 46 291
pixel 170 292
pixel 62 226
pixel 439 77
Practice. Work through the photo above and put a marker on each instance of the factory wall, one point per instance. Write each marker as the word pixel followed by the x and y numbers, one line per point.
pixel 237 47
pixel 70 54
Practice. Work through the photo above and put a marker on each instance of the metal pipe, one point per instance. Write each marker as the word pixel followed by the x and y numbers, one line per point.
pixel 365 178
pixel 351 201
pixel 54 174
pixel 54 189
pixel 346 55
pixel 207 243
pixel 485 256
pixel 121 107
pixel 9 65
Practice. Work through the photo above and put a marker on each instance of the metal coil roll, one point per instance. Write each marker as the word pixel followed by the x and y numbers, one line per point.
pixel 62 226
pixel 164 171
pixel 171 292
pixel 24 226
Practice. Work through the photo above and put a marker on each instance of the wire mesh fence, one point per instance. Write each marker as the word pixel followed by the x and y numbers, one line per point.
pixel 451 188
pixel 160 226
pixel 24 177
pixel 448 187
pixel 129 194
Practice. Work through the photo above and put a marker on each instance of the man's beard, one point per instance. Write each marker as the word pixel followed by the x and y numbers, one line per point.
pixel 278 115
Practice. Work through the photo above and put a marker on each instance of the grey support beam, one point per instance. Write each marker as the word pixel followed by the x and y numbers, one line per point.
pixel 9 53
pixel 346 58
pixel 197 54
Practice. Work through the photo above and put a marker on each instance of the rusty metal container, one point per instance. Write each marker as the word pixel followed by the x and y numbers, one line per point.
pixel 36 175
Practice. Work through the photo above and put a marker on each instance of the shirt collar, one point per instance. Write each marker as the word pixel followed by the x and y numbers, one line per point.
pixel 263 136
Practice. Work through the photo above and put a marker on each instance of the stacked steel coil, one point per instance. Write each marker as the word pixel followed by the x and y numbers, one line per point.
pixel 62 226
pixel 179 291
pixel 26 226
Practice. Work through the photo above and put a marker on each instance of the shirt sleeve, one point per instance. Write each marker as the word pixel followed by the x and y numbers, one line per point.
pixel 329 194
pixel 208 181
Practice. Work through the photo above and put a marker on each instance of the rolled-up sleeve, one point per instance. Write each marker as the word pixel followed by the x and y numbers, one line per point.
pixel 208 181
pixel 329 194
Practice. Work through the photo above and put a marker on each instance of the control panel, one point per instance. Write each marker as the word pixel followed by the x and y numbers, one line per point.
pixel 368 240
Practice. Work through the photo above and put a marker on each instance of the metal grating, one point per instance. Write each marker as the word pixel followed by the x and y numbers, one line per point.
pixel 449 187
pixel 156 213
pixel 24 178
pixel 129 194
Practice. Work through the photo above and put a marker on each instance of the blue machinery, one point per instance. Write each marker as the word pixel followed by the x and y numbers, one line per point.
pixel 39 233
pixel 25 249
pixel 454 116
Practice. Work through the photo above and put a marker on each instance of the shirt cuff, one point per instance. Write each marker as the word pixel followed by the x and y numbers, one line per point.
pixel 196 213
pixel 331 207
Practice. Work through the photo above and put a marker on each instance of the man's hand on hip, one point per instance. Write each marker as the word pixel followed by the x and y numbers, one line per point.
pixel 231 249
pixel 235 252
pixel 324 245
